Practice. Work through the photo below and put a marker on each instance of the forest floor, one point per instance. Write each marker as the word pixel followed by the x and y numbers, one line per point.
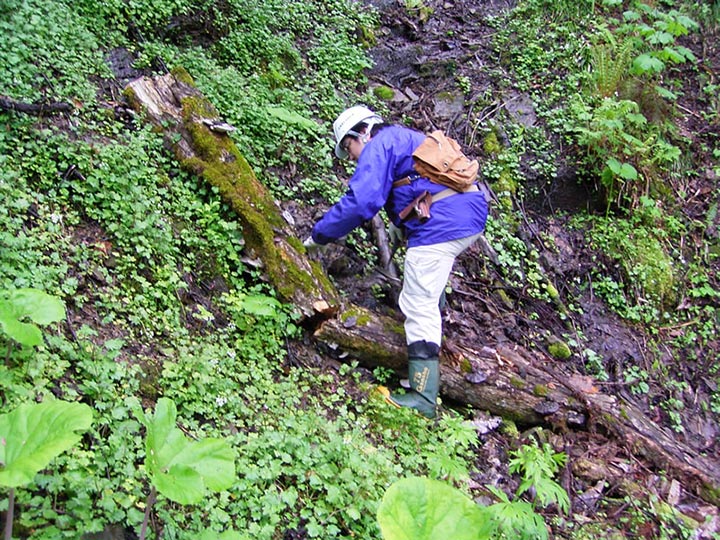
pixel 422 62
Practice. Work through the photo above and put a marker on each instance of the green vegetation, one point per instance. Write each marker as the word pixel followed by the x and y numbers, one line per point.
pixel 125 286
pixel 424 509
pixel 32 435
pixel 617 114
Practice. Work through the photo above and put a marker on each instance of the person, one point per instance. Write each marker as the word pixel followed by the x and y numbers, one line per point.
pixel 385 178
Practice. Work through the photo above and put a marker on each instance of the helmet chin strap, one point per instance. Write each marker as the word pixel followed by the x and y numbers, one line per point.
pixel 367 135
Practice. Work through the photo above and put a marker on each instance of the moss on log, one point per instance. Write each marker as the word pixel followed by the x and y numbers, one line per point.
pixel 175 106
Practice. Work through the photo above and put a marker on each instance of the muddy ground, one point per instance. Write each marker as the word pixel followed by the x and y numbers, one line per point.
pixel 421 61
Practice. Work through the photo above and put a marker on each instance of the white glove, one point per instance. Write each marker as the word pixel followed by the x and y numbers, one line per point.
pixel 396 234
pixel 309 243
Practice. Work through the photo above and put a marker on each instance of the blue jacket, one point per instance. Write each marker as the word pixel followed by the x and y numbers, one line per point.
pixel 387 157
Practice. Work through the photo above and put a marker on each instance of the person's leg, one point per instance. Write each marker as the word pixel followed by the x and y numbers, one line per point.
pixel 426 273
pixel 427 270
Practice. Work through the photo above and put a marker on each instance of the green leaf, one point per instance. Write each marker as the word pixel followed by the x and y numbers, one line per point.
pixel 35 305
pixel 628 172
pixel 517 520
pixel 664 92
pixel 661 38
pixel 261 305
pixel 424 509
pixel 227 535
pixel 673 55
pixel 182 470
pixel 614 165
pixel 685 52
pixel 293 118
pixel 34 433
pixel 646 64
pixel 631 16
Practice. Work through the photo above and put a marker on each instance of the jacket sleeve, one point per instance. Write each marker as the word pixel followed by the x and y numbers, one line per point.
pixel 368 191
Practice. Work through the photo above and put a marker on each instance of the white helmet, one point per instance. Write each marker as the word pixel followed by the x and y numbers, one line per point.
pixel 347 120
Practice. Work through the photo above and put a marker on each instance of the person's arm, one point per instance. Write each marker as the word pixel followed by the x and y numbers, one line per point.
pixel 368 190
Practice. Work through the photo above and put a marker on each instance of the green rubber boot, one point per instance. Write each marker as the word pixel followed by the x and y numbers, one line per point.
pixel 424 375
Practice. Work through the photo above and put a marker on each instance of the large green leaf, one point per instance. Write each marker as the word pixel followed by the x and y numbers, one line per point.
pixel 16 305
pixel 646 63
pixel 34 433
pixel 180 469
pixel 424 509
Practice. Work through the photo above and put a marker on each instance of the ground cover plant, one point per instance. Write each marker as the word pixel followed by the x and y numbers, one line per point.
pixel 163 310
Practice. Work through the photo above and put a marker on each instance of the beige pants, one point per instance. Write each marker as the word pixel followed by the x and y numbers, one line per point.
pixel 427 269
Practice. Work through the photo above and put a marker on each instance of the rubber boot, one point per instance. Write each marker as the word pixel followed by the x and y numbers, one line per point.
pixel 424 375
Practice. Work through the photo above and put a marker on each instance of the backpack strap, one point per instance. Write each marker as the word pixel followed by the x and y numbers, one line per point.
pixel 420 207
pixel 405 181
pixel 450 191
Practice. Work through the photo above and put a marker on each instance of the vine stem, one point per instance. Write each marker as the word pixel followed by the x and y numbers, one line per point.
pixel 148 507
pixel 9 515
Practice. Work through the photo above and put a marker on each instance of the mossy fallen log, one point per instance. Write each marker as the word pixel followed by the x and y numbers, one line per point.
pixel 529 388
pixel 176 107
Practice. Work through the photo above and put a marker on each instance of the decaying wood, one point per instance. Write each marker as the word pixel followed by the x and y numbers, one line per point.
pixel 172 103
pixel 10 104
pixel 517 384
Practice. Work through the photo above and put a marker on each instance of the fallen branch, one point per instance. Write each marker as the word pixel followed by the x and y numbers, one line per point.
pixel 190 128
pixel 10 104
pixel 527 387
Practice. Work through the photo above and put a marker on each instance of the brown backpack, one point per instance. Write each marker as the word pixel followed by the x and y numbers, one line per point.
pixel 441 159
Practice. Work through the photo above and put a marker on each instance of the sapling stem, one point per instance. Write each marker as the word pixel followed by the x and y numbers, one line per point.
pixel 9 515
pixel 148 507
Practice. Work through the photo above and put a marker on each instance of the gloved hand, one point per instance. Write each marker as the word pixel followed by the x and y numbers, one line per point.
pixel 395 234
pixel 309 243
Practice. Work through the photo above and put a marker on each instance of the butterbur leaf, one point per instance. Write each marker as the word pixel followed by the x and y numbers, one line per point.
pixel 35 433
pixel 213 460
pixel 19 305
pixel 180 469
pixel 424 509
pixel 24 333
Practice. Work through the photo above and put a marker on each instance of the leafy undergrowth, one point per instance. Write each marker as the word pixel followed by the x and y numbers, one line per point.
pixel 162 302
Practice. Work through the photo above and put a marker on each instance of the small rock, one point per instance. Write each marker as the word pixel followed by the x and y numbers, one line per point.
pixel 575 418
